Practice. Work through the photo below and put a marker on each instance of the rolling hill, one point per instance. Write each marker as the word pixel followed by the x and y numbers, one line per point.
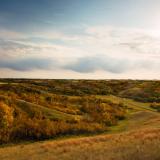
pixel 70 114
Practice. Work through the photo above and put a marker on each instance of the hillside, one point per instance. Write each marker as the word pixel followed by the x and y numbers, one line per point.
pixel 36 110
pixel 143 144
pixel 141 140
pixel 144 91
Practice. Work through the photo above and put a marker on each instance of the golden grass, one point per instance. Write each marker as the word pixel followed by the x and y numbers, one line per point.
pixel 141 144
pixel 132 104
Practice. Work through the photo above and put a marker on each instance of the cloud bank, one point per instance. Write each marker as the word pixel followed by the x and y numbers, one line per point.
pixel 118 51
pixel 27 64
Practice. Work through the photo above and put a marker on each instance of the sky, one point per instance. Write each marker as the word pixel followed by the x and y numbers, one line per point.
pixel 80 39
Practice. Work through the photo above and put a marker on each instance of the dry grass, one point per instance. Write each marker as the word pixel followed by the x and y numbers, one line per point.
pixel 141 144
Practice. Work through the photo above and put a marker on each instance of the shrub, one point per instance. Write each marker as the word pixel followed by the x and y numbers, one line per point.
pixel 155 106
pixel 6 121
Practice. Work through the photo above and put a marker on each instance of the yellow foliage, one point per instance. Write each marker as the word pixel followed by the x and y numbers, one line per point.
pixel 6 116
pixel 6 121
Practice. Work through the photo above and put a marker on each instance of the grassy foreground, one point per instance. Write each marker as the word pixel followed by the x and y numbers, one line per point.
pixel 136 145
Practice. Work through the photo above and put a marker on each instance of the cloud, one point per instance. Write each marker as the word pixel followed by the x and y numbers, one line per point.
pixel 101 48
pixel 109 64
pixel 80 65
pixel 91 64
pixel 11 49
pixel 129 41
pixel 9 34
pixel 28 64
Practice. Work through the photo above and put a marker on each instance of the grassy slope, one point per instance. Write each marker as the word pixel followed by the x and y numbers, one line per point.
pixel 140 145
pixel 139 114
pixel 50 113
pixel 29 108
pixel 141 140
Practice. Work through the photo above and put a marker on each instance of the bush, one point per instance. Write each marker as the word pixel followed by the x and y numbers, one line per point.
pixel 6 121
pixel 155 106
pixel 35 129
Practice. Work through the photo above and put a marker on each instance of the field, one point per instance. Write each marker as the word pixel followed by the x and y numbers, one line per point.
pixel 79 119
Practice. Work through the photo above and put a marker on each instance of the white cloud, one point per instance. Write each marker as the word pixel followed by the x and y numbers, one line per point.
pixel 124 41
pixel 115 51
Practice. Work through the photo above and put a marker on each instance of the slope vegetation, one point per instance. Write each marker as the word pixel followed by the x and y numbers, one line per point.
pixel 63 111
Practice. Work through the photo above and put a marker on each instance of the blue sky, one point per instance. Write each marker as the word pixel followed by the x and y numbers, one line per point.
pixel 80 39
